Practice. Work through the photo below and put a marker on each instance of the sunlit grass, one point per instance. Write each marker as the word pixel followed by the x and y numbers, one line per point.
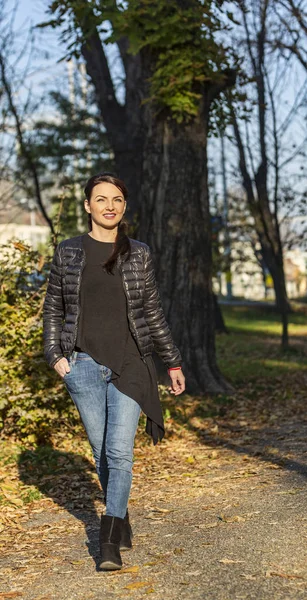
pixel 241 318
pixel 252 349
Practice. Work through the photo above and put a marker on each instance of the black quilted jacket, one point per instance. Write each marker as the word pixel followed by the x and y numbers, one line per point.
pixel 145 313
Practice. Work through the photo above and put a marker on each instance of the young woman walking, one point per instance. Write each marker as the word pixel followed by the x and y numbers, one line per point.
pixel 102 319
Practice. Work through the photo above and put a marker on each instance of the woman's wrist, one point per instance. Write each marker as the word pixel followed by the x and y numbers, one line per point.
pixel 173 369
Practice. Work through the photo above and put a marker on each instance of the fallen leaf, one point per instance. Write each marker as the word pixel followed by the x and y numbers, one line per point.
pixel 133 569
pixel 230 561
pixel 135 585
pixel 283 575
pixel 160 510
pixel 214 453
pixel 190 459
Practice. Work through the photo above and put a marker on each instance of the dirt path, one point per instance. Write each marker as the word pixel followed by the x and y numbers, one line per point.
pixel 221 516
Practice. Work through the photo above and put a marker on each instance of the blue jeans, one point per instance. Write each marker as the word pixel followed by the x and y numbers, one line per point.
pixel 110 419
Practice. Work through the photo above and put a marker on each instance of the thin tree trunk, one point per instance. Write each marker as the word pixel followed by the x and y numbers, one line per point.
pixel 219 323
pixel 267 229
pixel 24 150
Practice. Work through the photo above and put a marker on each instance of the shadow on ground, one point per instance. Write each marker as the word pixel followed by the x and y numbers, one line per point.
pixel 67 479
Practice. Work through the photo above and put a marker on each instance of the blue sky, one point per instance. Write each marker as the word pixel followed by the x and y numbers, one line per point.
pixel 46 73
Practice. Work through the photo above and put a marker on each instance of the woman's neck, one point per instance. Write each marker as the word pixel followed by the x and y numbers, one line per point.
pixel 103 235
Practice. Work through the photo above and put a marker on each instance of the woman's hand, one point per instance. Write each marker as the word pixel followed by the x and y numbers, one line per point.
pixel 178 381
pixel 62 366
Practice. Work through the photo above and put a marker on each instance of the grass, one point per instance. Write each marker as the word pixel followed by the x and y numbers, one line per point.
pixel 252 350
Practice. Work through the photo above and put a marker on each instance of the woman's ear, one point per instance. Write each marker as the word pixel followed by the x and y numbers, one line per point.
pixel 87 205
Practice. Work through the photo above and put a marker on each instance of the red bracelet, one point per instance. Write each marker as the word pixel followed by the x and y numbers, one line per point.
pixel 173 369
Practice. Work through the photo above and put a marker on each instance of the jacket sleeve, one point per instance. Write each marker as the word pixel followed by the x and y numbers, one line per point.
pixel 53 312
pixel 154 316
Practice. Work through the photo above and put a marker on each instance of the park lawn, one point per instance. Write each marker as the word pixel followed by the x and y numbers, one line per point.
pixel 252 348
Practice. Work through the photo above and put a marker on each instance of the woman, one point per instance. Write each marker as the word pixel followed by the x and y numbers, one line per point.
pixel 102 319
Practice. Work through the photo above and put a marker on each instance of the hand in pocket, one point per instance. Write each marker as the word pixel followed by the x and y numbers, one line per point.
pixel 62 367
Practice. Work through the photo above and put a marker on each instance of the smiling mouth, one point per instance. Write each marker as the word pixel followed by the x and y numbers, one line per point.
pixel 109 215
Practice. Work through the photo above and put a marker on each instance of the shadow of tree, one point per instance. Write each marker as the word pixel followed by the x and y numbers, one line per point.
pixel 271 444
pixel 281 443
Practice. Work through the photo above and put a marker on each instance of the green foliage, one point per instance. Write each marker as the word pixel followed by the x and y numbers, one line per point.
pixel 34 401
pixel 180 41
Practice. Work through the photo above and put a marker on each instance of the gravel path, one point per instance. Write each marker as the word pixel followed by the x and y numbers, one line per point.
pixel 222 517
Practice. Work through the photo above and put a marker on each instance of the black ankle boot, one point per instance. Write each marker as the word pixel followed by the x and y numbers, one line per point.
pixel 127 535
pixel 109 538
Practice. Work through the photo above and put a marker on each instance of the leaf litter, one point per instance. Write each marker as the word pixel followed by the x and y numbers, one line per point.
pixel 195 462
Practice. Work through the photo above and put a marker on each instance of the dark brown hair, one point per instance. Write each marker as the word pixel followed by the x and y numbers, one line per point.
pixel 122 243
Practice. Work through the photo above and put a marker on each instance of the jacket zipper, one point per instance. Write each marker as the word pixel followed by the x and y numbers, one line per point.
pixel 78 304
pixel 129 315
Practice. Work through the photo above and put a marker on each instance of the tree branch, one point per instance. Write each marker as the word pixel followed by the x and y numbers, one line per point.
pixel 26 154
pixel 112 112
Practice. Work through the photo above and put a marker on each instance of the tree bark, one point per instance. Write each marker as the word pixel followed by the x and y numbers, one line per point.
pixel 175 222
pixel 122 122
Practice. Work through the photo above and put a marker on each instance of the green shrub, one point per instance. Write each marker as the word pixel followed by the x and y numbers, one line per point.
pixel 33 400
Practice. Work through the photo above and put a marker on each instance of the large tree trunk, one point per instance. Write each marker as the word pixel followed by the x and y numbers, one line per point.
pixel 175 222
pixel 165 167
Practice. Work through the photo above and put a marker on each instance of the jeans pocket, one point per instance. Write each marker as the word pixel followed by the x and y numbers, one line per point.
pixel 70 363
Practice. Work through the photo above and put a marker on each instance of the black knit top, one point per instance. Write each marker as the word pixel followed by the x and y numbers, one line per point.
pixel 104 333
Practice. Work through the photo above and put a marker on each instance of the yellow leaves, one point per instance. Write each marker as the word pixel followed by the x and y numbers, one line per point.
pixel 133 569
pixel 136 585
pixel 22 248
pixel 233 519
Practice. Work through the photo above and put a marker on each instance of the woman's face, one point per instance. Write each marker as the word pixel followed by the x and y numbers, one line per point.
pixel 106 206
